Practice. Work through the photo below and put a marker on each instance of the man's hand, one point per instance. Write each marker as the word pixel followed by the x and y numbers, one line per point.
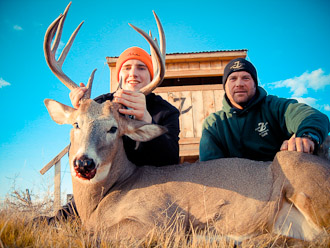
pixel 77 94
pixel 298 144
pixel 136 102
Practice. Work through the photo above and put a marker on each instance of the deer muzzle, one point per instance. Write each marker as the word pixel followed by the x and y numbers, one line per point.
pixel 85 167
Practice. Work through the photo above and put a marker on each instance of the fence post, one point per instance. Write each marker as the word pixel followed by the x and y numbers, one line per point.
pixel 57 186
pixel 57 179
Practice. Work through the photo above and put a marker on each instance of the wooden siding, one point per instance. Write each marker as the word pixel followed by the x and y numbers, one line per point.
pixel 195 103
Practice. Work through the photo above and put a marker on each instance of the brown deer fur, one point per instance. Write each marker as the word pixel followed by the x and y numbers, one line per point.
pixel 239 198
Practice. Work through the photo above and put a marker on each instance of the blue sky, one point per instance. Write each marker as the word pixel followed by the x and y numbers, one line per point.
pixel 287 41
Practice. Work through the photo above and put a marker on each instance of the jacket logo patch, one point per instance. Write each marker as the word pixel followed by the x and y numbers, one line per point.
pixel 262 129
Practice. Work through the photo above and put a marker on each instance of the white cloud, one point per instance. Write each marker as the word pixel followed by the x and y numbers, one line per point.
pixel 308 100
pixel 18 28
pixel 299 85
pixel 3 83
pixel 326 107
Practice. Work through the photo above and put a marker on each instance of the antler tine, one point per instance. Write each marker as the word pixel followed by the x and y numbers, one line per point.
pixel 58 30
pixel 72 37
pixel 158 56
pixel 161 33
pixel 87 95
pixel 154 55
pixel 162 42
pixel 56 65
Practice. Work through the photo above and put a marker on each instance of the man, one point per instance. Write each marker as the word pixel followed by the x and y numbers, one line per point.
pixel 255 125
pixel 134 67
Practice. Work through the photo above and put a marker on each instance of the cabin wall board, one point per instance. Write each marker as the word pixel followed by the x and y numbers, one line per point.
pixel 197 112
pixel 195 103
pixel 186 114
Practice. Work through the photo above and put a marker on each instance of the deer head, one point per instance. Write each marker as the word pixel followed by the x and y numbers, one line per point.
pixel 96 135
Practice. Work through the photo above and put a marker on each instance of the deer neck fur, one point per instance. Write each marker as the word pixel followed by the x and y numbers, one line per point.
pixel 89 194
pixel 107 150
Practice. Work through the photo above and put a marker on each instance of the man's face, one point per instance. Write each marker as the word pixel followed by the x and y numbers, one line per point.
pixel 240 88
pixel 135 75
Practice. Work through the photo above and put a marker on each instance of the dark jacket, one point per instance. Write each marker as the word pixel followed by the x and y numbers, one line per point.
pixel 163 150
pixel 258 131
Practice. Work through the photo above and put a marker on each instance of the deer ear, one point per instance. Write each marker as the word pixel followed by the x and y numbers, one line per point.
pixel 144 132
pixel 59 112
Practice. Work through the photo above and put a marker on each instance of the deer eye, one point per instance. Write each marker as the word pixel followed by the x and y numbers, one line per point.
pixel 112 130
pixel 75 125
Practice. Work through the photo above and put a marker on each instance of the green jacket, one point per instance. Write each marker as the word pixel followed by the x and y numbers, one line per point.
pixel 258 131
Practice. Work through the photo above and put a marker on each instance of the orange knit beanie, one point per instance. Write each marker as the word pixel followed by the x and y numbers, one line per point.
pixel 134 53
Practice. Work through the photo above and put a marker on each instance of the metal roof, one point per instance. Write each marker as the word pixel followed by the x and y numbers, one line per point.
pixel 230 50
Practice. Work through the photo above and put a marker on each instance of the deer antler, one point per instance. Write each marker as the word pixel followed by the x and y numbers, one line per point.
pixel 157 55
pixel 56 65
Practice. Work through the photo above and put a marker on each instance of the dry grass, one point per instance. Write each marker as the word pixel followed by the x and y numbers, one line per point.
pixel 18 230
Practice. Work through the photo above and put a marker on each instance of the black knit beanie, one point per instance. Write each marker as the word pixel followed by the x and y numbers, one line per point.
pixel 239 64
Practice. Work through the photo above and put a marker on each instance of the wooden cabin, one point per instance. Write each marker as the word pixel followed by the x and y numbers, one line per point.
pixel 193 84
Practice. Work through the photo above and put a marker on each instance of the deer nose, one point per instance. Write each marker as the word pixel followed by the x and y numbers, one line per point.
pixel 84 164
pixel 85 167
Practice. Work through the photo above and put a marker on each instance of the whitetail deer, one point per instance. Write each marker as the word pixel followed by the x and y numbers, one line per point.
pixel 239 198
